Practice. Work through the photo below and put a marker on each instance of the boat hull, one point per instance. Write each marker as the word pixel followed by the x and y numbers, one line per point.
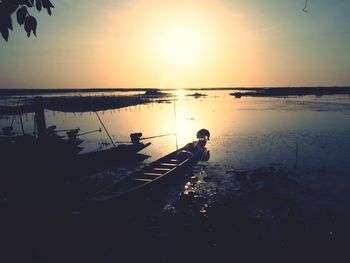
pixel 140 185
pixel 35 162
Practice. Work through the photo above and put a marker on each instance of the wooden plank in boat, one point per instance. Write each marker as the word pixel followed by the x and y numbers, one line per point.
pixel 168 164
pixel 152 174
pixel 162 169
pixel 143 179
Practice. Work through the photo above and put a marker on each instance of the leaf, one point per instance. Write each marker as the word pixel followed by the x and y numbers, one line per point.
pixel 45 3
pixel 28 3
pixel 5 33
pixel 50 4
pixel 21 15
pixel 30 25
pixel 9 22
pixel 5 21
pixel 38 5
pixel 11 7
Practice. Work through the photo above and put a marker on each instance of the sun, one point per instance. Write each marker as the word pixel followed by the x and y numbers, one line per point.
pixel 181 45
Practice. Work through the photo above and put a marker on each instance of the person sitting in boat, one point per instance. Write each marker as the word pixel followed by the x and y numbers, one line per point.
pixel 183 155
pixel 195 146
pixel 204 134
pixel 200 144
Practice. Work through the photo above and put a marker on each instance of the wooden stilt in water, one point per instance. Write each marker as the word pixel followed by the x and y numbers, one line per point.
pixel 20 118
pixel 40 117
pixel 177 147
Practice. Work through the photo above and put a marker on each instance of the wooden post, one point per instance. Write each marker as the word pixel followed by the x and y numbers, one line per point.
pixel 20 118
pixel 40 117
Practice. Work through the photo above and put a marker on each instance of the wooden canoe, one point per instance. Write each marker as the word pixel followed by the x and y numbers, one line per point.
pixel 149 176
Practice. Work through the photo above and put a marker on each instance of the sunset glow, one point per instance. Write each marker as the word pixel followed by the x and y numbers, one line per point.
pixel 181 44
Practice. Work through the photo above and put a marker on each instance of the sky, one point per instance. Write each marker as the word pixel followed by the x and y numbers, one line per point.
pixel 181 44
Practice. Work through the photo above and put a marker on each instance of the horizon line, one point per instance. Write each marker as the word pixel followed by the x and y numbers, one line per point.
pixel 186 88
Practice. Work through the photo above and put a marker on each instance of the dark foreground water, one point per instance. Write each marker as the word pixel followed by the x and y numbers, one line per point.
pixel 275 189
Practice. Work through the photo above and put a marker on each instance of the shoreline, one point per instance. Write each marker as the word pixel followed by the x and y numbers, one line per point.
pixel 96 102
pixel 78 104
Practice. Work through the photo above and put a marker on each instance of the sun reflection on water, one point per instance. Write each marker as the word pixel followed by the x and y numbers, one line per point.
pixel 185 117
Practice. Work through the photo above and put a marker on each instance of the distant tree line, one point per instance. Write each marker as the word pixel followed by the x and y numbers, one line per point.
pixel 23 17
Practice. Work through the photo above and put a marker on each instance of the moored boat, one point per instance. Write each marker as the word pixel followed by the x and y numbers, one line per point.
pixel 120 154
pixel 47 152
pixel 154 174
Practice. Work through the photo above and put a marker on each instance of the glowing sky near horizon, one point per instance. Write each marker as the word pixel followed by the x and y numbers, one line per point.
pixel 180 44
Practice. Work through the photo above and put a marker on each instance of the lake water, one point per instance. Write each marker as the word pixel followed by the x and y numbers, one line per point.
pixel 281 157
pixel 247 133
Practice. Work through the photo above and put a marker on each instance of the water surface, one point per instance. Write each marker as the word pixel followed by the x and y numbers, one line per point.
pixel 278 166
